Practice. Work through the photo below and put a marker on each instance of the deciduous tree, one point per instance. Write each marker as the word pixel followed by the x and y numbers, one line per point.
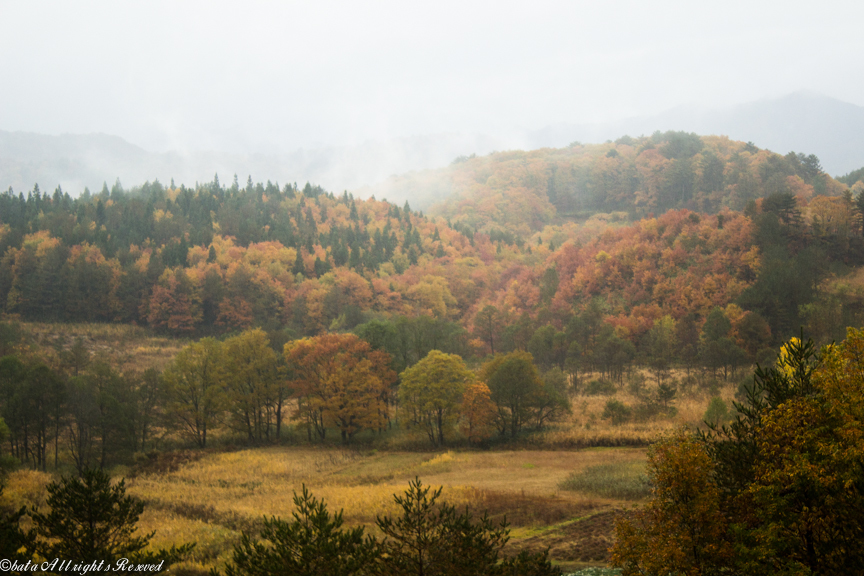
pixel 340 381
pixel 478 412
pixel 430 392
pixel 195 398
pixel 256 394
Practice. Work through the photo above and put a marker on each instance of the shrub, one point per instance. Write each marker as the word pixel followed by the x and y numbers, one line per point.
pixel 711 386
pixel 688 385
pixel 717 412
pixel 636 385
pixel 646 410
pixel 14 542
pixel 600 387
pixel 617 412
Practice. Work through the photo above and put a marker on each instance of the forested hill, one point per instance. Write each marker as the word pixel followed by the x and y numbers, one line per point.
pixel 523 191
pixel 596 289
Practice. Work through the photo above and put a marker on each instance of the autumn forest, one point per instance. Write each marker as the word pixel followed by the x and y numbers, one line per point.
pixel 555 298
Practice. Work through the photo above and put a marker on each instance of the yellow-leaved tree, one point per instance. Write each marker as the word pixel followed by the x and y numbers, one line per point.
pixel 430 393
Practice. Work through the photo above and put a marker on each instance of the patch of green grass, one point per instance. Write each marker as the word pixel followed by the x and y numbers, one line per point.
pixel 624 480
pixel 596 571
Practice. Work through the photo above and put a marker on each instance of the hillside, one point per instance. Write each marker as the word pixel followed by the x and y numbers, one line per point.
pixel 523 191
pixel 556 239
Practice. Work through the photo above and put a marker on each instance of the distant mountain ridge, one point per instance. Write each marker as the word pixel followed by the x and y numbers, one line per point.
pixel 803 122
pixel 78 160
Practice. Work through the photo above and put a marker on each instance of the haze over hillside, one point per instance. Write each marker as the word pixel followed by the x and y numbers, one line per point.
pixel 803 122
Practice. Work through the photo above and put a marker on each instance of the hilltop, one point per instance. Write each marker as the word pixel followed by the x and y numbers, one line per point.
pixel 524 191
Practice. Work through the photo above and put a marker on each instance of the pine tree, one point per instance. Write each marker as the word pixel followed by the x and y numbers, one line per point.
pixel 94 521
pixel 313 543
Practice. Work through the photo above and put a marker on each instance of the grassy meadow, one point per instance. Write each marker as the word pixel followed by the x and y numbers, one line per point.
pixel 212 499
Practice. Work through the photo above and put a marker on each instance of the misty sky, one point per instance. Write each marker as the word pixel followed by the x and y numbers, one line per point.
pixel 274 76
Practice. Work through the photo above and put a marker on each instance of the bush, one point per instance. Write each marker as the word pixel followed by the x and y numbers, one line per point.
pixel 717 412
pixel 636 385
pixel 625 480
pixel 646 410
pixel 617 412
pixel 711 386
pixel 600 387
pixel 688 385
pixel 15 543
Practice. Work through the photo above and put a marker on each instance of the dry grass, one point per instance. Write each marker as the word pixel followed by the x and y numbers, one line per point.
pixel 213 499
pixel 25 488
pixel 585 426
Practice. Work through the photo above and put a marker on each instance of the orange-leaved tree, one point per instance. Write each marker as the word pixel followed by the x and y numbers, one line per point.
pixel 478 412
pixel 340 381
pixel 682 530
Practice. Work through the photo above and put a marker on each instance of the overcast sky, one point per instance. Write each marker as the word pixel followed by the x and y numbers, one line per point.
pixel 274 76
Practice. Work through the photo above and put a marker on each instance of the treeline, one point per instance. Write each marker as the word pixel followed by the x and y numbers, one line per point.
pixel 88 415
pixel 164 257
